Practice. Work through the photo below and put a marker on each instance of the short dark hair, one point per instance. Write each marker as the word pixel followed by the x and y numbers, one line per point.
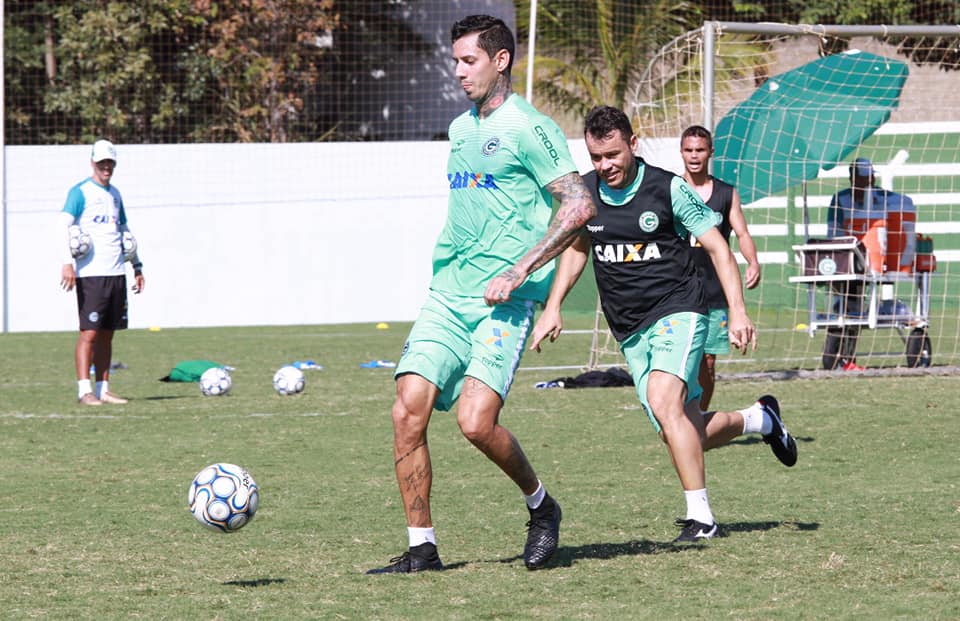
pixel 697 131
pixel 602 120
pixel 494 35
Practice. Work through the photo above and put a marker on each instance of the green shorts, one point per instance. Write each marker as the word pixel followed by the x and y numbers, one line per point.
pixel 718 337
pixel 673 344
pixel 458 336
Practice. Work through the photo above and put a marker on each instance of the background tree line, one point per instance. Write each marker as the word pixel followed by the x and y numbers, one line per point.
pixel 172 71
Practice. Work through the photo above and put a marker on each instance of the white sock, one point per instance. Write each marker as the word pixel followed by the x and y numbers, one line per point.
pixel 756 420
pixel 83 387
pixel 534 499
pixel 102 387
pixel 752 418
pixel 417 536
pixel 698 507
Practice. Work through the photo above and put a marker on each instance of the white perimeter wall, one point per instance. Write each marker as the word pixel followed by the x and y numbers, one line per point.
pixel 242 234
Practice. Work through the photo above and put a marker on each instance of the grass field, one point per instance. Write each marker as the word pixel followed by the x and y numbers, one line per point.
pixel 94 525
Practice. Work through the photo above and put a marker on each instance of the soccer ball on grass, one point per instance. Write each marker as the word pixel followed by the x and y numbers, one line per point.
pixel 80 242
pixel 215 381
pixel 223 497
pixel 289 380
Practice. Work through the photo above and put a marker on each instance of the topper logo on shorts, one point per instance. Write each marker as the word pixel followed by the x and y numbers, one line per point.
pixel 723 320
pixel 491 362
pixel 467 179
pixel 626 253
pixel 497 339
pixel 666 326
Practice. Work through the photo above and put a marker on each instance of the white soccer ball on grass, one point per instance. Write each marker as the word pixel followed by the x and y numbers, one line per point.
pixel 289 380
pixel 223 497
pixel 215 382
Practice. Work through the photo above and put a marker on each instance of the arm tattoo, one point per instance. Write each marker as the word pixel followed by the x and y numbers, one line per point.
pixel 576 208
pixel 511 275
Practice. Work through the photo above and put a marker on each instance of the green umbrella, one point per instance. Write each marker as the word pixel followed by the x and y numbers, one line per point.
pixel 808 118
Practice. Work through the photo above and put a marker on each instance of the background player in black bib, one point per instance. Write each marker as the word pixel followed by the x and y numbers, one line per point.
pixel 653 301
pixel 696 149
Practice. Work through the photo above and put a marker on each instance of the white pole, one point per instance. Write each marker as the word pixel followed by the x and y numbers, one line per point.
pixel 531 48
pixel 4 272
pixel 709 32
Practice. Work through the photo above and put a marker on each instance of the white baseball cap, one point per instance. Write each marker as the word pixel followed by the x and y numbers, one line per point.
pixel 103 150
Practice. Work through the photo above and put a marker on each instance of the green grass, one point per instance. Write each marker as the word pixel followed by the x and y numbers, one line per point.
pixel 93 523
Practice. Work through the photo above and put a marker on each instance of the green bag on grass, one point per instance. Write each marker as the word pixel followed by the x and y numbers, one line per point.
pixel 189 370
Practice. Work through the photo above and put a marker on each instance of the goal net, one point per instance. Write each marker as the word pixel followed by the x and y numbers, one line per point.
pixel 903 316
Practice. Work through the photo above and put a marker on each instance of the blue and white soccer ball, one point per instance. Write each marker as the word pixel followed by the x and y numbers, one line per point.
pixel 129 245
pixel 289 380
pixel 223 497
pixel 215 382
pixel 80 242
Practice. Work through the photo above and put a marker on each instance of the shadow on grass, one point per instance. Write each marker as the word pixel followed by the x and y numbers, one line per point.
pixel 259 582
pixel 566 556
pixel 748 527
pixel 165 398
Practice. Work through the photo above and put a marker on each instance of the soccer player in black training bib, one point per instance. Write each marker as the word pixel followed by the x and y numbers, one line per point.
pixel 653 301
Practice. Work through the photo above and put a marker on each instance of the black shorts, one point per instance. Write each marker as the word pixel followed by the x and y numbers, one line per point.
pixel 102 302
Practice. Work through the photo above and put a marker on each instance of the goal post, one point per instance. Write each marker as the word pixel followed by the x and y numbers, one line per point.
pixel 701 76
pixel 712 30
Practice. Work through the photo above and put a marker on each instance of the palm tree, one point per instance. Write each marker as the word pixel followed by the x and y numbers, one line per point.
pixel 670 94
pixel 593 52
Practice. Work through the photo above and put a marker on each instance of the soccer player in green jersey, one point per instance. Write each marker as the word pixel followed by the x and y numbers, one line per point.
pixel 653 300
pixel 508 163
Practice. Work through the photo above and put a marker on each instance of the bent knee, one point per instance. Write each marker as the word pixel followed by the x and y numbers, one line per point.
pixel 476 429
pixel 411 411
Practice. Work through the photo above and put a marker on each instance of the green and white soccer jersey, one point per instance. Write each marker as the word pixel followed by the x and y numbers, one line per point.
pixel 690 210
pixel 498 208
pixel 691 216
pixel 99 212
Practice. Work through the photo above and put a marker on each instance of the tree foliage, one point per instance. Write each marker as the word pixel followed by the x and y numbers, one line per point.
pixel 110 73
pixel 591 52
pixel 288 70
pixel 254 62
